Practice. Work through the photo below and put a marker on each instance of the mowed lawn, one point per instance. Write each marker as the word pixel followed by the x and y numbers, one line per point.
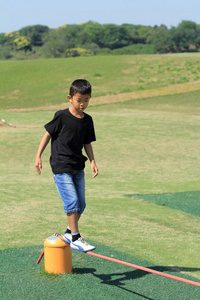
pixel 148 146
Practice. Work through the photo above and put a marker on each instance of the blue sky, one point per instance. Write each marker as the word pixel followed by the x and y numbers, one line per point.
pixel 15 14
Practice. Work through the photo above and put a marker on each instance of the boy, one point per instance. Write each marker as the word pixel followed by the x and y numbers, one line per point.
pixel 71 130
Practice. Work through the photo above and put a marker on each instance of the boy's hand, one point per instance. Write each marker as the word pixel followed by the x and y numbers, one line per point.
pixel 38 164
pixel 89 152
pixel 94 169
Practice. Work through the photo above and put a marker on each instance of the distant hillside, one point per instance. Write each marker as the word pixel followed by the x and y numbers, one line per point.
pixel 44 82
pixel 92 38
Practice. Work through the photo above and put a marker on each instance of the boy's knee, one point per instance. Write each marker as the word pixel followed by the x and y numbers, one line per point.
pixel 82 210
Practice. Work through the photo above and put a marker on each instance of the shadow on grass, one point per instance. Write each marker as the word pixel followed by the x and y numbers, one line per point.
pixel 130 275
pixel 107 278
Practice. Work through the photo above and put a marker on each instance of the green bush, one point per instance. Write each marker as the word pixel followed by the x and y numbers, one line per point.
pixel 6 51
pixel 104 51
pixel 22 43
pixel 135 49
pixel 77 52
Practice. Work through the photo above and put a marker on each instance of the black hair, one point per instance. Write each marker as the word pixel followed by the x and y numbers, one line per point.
pixel 81 86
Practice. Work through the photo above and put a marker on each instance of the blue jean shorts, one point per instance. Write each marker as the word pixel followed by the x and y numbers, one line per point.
pixel 71 188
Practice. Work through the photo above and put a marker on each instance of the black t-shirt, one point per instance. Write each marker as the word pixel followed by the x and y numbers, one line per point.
pixel 68 135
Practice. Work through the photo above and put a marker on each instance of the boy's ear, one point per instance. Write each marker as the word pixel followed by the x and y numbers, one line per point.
pixel 69 98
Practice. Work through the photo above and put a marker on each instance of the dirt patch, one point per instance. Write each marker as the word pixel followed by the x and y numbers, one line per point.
pixel 172 89
pixel 48 107
pixel 168 90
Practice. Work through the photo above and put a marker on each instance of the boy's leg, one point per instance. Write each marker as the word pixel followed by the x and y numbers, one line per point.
pixel 73 219
pixel 68 233
pixel 77 242
pixel 72 191
pixel 73 225
pixel 79 182
pixel 67 190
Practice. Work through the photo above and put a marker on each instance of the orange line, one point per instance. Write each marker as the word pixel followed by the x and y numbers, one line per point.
pixel 144 269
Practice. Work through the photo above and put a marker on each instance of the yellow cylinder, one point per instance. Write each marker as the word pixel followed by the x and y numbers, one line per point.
pixel 57 256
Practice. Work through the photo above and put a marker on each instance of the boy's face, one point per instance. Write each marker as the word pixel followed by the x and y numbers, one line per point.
pixel 79 101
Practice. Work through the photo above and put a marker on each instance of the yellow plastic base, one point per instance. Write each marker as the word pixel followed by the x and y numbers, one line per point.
pixel 57 256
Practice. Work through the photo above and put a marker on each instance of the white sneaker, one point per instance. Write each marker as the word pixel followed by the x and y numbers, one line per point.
pixel 67 237
pixel 81 245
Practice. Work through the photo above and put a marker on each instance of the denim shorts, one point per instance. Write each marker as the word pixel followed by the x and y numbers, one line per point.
pixel 71 188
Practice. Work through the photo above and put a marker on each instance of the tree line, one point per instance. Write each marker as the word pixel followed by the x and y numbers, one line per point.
pixel 92 38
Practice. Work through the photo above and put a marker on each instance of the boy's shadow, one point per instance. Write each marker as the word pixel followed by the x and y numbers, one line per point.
pixel 130 275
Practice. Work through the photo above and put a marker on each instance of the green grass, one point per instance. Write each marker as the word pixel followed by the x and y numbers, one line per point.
pixel 188 202
pixel 45 82
pixel 144 147
pixel 92 278
pixel 141 148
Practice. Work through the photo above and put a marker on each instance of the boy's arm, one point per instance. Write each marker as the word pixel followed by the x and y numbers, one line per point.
pixel 89 152
pixel 44 142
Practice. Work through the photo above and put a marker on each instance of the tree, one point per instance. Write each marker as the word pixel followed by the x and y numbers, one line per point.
pixel 6 51
pixel 161 39
pixel 132 33
pixel 55 44
pixel 115 36
pixel 198 37
pixel 185 36
pixel 101 39
pixel 35 34
pixel 3 39
pixel 143 33
pixel 69 33
pixel 92 33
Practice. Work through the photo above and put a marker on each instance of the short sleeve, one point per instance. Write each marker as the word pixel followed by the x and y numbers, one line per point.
pixel 90 135
pixel 54 126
